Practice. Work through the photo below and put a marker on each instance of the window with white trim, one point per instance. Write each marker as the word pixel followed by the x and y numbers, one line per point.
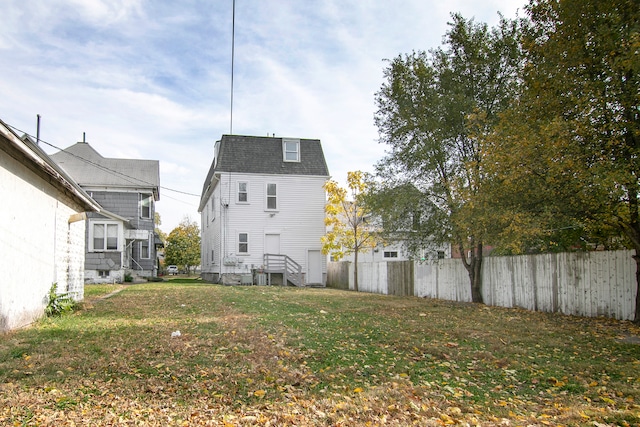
pixel 104 237
pixel 243 243
pixel 291 150
pixel 145 253
pixel 145 206
pixel 272 197
pixel 390 254
pixel 213 208
pixel 243 192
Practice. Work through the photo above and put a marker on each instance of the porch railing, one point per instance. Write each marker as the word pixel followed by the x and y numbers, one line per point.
pixel 291 271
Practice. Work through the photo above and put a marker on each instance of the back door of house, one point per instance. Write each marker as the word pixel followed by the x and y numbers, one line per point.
pixel 272 244
pixel 314 267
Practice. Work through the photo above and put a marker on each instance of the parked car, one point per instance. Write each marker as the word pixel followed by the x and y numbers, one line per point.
pixel 172 269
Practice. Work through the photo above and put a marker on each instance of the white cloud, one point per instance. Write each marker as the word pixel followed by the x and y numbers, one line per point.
pixel 148 79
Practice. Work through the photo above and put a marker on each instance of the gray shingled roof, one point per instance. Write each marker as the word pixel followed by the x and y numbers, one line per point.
pixel 263 155
pixel 89 169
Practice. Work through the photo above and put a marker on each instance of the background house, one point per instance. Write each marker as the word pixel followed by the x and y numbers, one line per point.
pixel 121 239
pixel 42 230
pixel 263 196
pixel 395 251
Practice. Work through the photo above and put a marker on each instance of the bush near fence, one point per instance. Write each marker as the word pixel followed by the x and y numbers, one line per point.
pixel 586 284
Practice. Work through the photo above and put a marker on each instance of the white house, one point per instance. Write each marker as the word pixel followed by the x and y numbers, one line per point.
pixel 395 251
pixel 42 230
pixel 262 210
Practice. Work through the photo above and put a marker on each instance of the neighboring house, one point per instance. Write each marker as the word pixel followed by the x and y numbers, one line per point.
pixel 122 240
pixel 42 230
pixel 395 251
pixel 262 210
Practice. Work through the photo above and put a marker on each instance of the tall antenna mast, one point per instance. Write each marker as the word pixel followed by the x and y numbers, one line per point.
pixel 233 44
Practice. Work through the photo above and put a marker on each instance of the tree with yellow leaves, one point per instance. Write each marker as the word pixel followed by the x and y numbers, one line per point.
pixel 348 221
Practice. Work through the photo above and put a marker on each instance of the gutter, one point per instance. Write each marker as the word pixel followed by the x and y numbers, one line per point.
pixel 205 195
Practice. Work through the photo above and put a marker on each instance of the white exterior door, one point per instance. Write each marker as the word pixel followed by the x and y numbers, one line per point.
pixel 314 267
pixel 272 244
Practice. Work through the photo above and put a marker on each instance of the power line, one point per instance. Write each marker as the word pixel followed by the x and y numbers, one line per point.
pixel 233 45
pixel 131 179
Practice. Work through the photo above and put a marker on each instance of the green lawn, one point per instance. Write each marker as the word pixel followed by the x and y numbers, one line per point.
pixel 287 356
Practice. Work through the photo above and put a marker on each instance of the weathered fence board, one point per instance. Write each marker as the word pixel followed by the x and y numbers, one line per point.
pixel 579 283
pixel 338 275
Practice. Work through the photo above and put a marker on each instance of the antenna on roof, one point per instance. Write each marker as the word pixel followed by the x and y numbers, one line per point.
pixel 84 137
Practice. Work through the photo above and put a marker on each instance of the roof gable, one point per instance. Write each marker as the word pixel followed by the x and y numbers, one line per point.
pixel 89 168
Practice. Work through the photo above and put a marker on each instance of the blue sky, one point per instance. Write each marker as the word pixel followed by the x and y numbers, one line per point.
pixel 151 79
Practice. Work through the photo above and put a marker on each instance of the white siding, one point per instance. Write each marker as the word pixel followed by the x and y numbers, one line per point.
pixel 38 245
pixel 377 255
pixel 298 219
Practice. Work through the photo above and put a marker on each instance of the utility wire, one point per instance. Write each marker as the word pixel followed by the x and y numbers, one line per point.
pixel 131 179
pixel 233 45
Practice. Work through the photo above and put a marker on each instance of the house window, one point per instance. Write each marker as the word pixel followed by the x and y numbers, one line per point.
pixel 145 206
pixel 103 273
pixel 440 254
pixel 272 197
pixel 212 257
pixel 105 237
pixel 390 254
pixel 145 253
pixel 291 150
pixel 213 208
pixel 243 243
pixel 243 192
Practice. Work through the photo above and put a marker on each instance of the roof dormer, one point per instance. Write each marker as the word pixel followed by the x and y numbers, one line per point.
pixel 290 150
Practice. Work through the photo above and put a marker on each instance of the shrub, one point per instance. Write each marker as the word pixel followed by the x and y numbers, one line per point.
pixel 58 303
pixel 128 277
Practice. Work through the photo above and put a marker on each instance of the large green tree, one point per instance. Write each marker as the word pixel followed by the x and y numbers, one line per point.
pixel 183 245
pixel 433 111
pixel 566 159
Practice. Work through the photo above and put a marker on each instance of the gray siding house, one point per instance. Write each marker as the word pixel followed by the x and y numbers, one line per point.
pixel 262 212
pixel 122 240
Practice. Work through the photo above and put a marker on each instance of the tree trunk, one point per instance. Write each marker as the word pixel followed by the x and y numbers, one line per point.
pixel 633 232
pixel 475 274
pixel 636 318
pixel 474 269
pixel 355 271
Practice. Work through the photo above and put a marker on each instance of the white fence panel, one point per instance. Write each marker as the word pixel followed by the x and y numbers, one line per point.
pixel 372 277
pixel 442 279
pixel 578 283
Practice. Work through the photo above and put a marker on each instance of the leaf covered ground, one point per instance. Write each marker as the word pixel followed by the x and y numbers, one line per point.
pixel 274 356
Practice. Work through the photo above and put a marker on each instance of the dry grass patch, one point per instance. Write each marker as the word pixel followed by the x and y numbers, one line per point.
pixel 285 356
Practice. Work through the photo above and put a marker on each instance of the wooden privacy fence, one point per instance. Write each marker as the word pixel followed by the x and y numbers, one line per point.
pixel 587 284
